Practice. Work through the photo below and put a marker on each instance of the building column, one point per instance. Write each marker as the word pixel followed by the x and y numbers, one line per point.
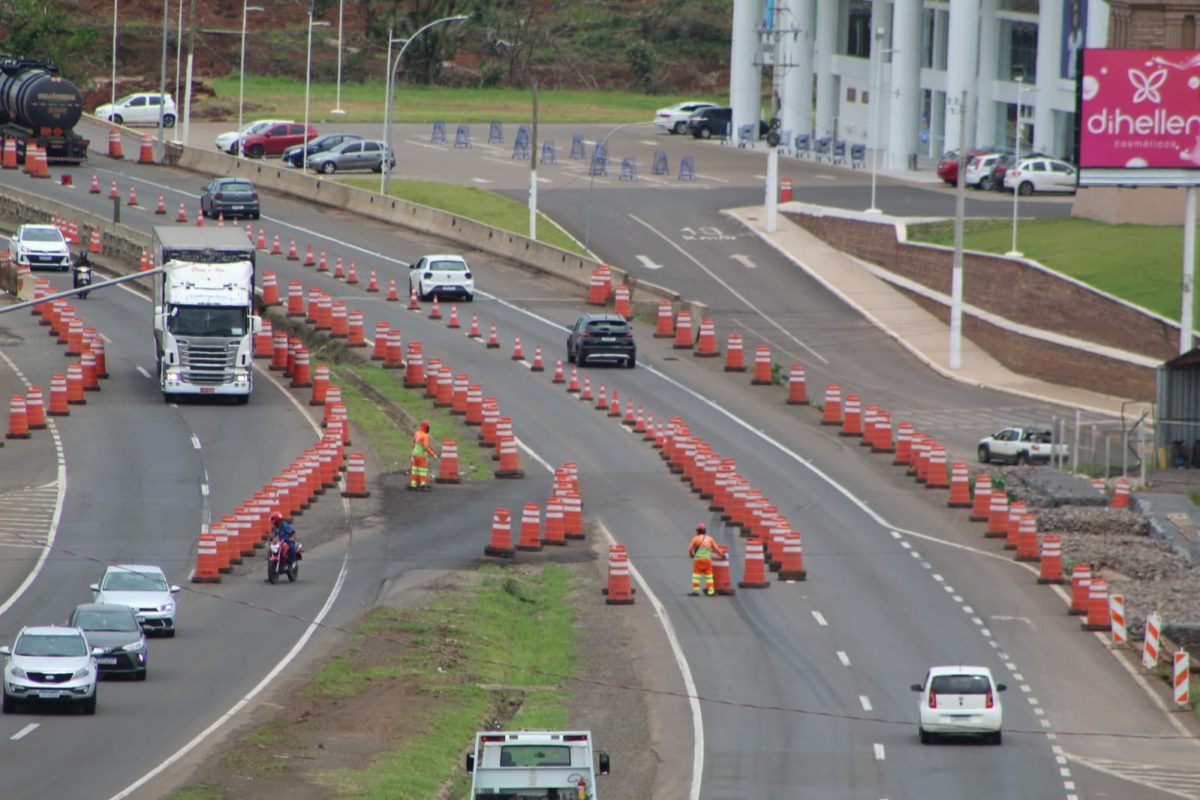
pixel 985 86
pixel 1048 68
pixel 745 77
pixel 827 84
pixel 905 119
pixel 797 76
pixel 961 65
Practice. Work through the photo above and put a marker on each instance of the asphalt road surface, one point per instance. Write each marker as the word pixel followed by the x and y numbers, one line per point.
pixel 812 678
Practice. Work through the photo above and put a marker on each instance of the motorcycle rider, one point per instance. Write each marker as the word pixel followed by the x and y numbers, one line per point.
pixel 284 533
pixel 81 272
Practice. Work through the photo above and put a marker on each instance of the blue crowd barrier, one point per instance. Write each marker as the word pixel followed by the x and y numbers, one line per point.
pixel 549 153
pixel 578 150
pixel 660 165
pixel 439 133
pixel 687 169
pixel 462 137
pixel 495 133
pixel 629 169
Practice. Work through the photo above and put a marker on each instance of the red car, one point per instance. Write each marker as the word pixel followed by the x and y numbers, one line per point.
pixel 947 168
pixel 277 138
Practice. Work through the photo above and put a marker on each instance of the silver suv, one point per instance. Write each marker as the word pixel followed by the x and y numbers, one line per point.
pixel 52 664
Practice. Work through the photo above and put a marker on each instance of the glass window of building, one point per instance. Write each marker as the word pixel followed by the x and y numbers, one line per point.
pixel 858 30
pixel 1023 6
pixel 1018 50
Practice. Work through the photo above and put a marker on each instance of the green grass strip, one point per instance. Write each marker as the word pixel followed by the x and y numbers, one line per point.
pixel 477 204
pixel 1138 263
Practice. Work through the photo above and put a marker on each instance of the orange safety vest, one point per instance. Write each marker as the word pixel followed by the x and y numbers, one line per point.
pixel 703 546
pixel 421 444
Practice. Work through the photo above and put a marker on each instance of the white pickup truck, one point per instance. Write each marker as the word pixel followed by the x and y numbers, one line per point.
pixel 1019 445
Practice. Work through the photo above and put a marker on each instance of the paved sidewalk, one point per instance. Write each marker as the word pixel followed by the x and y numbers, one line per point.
pixel 919 331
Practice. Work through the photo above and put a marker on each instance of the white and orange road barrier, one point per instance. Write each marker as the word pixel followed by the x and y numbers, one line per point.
pixel 59 406
pixel 883 433
pixel 75 385
pixel 379 348
pixel 832 413
pixel 997 522
pixel 509 464
pixel 18 418
pixel 1051 560
pixel 554 533
pixel 722 575
pixel 572 503
pixel 474 415
pixel 1150 642
pixel 1099 485
pixel 706 340
pixel 666 321
pixel 295 299
pixel 1120 497
pixel 339 326
pixel 94 245
pixel 1013 524
pixel 500 545
pixel 320 385
pixel 458 399
pixel 393 354
pixel 146 151
pixel 1027 539
pixel 1116 613
pixel 115 149
pixel 270 292
pixel 620 585
pixel 1181 678
pixel 797 386
pixel 683 330
pixel 356 335
pixel 762 366
pixel 1098 618
pixel 983 498
pixel 754 568
pixel 791 566
pixel 852 416
pixel 960 486
pixel 279 352
pixel 1081 580
pixel 598 287
pixel 448 463
pixel 414 365
pixel 35 409
pixel 206 560
pixel 301 372
pixel 621 302
pixel 444 396
pixel 530 536
pixel 735 357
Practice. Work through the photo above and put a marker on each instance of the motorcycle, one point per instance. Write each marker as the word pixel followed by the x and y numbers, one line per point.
pixel 82 275
pixel 280 560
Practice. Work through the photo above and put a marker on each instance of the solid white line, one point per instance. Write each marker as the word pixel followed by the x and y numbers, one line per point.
pixel 880 754
pixel 866 702
pixel 21 734
pixel 529 451
pixel 240 704
pixel 689 684
pixel 204 490
pixel 142 370
pixel 195 442
pixel 729 288
pixel 820 619
pixel 845 659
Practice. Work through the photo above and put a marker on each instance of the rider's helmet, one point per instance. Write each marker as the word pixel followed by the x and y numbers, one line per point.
pixel 701 528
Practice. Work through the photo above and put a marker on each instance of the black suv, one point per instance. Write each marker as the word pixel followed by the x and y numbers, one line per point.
pixel 709 122
pixel 601 336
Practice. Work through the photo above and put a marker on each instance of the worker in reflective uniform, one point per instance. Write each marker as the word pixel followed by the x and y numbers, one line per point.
pixel 418 473
pixel 702 549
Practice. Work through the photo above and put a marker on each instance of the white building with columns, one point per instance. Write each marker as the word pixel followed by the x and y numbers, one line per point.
pixel 919 57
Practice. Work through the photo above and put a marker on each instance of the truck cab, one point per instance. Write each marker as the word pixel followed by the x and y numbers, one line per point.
pixel 535 765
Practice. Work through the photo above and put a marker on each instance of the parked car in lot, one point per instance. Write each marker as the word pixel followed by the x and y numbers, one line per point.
pixel 294 155
pixel 231 197
pixel 980 170
pixel 367 154
pixel 709 122
pixel 1041 175
pixel 444 276
pixel 274 139
pixel 674 119
pixel 227 142
pixel 50 664
pixel 604 337
pixel 1000 168
pixel 947 168
pixel 142 588
pixel 140 109
pixel 40 247
pixel 118 640
pixel 1020 445
pixel 960 701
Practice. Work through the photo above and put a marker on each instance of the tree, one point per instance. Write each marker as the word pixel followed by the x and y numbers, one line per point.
pixel 35 29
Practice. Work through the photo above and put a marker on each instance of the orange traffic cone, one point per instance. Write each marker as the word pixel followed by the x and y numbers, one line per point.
pixel 452 322
pixel 182 215
pixel 309 260
pixel 558 371
pixel 754 569
pixel 356 476
pixel 261 244
pixel 351 274
pixel 392 295
pixel 292 254
pixel 620 587
pixel 435 312
pixel 517 355
pixel 414 302
pixel 372 284
pixel 530 538
pixel 18 418
pixel 573 386
pixel 161 206
pixel 493 341
pixel 960 486
pixel 95 187
pixel 448 463
pixel 501 545
pixel 323 264
pixel 536 366
pixel 474 331
pixel 338 272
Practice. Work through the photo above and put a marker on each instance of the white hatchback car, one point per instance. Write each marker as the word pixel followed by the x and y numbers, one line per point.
pixel 40 247
pixel 673 119
pixel 960 701
pixel 444 276
pixel 1041 175
pixel 140 109
pixel 50 664
pixel 979 171
pixel 145 590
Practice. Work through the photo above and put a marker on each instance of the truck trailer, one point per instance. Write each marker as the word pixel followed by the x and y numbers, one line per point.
pixel 535 765
pixel 204 320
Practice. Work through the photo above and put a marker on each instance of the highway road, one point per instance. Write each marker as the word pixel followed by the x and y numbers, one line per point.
pixel 815 675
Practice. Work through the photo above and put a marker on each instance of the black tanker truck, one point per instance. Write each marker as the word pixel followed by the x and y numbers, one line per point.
pixel 37 103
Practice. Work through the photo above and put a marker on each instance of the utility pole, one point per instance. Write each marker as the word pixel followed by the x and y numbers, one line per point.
pixel 187 91
pixel 533 156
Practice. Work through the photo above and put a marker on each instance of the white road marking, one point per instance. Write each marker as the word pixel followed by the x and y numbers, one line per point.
pixel 842 657
pixel 204 490
pixel 195 442
pixel 142 370
pixel 827 177
pixel 820 619
pixel 866 702
pixel 880 754
pixel 1008 618
pixel 647 263
pixel 21 734
pixel 480 180
pixel 729 289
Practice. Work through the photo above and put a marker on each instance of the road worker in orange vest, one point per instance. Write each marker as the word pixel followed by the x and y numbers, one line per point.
pixel 418 473
pixel 702 550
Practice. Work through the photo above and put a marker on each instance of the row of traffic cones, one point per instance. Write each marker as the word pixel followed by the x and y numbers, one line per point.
pixel 28 411
pixel 563 519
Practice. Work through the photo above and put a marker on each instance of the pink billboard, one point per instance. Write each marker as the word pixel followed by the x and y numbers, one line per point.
pixel 1140 109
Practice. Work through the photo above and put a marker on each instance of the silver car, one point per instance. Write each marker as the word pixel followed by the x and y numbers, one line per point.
pixel 142 588
pixel 367 154
pixel 50 664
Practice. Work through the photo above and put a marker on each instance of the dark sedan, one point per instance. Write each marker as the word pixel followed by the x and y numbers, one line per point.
pixel 115 631
pixel 295 155
pixel 229 197
pixel 709 122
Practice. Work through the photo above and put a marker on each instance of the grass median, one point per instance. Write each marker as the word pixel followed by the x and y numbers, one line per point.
pixel 1138 263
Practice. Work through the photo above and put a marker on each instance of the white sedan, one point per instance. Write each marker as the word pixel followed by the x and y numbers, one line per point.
pixel 673 119
pixel 960 701
pixel 1040 175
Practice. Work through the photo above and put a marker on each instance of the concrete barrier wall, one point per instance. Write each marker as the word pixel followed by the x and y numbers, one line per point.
pixel 117 240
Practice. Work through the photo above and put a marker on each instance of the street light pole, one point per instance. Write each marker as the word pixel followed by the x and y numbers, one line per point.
pixel 876 97
pixel 386 166
pixel 338 105
pixel 1014 252
pixel 308 82
pixel 162 78
pixel 113 93
pixel 242 78
pixel 602 145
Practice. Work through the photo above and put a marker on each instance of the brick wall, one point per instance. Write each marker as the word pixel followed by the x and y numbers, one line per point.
pixel 1024 294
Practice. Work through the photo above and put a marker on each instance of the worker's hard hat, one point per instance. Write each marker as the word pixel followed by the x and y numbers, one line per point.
pixel 276 517
pixel 424 424
pixel 701 528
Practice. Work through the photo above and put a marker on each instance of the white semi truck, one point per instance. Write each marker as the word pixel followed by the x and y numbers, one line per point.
pixel 204 321
pixel 535 765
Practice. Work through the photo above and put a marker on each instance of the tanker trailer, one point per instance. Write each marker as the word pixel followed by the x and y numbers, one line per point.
pixel 37 103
